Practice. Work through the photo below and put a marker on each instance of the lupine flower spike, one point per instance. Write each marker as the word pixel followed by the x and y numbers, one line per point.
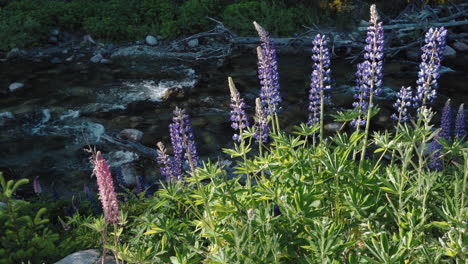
pixel 238 117
pixel 37 186
pixel 445 132
pixel 183 141
pixel 403 102
pixel 460 123
pixel 261 123
pixel 106 189
pixel 431 58
pixel 320 80
pixel 369 74
pixel 165 163
pixel 268 72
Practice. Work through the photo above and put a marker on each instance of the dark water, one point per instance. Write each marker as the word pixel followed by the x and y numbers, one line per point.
pixel 64 107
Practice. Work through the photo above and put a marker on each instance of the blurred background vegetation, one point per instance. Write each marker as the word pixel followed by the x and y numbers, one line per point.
pixel 26 23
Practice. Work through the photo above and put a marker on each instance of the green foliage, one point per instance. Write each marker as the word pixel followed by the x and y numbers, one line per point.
pixel 310 203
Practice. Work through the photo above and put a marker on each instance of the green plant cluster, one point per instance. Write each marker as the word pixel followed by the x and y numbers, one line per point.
pixel 26 23
pixel 33 235
pixel 300 202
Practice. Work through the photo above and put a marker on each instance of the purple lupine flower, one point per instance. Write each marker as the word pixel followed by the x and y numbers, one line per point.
pixel 429 67
pixel 92 200
pixel 445 132
pixel 268 72
pixel 436 162
pixel 460 123
pixel 239 118
pixel 176 131
pixel 120 178
pixel 320 78
pixel 403 102
pixel 369 74
pixel 182 141
pixel 446 121
pixel 37 186
pixel 261 123
pixel 165 163
pixel 107 193
pixel 140 184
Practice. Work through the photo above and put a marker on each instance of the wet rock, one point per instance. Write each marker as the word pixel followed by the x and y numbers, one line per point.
pixel 55 32
pixel 332 127
pixel 16 86
pixel 193 43
pixel 5 117
pixel 131 134
pixel 56 60
pixel 449 52
pixel 53 39
pixel 119 158
pixel 106 61
pixel 70 59
pixel 97 58
pixel 150 40
pixel 15 53
pixel 460 46
pixel 88 39
pixel 89 256
pixel 129 173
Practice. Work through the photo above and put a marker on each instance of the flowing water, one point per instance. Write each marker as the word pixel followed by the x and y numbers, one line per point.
pixel 64 108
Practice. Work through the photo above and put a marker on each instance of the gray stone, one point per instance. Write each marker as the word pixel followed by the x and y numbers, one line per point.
pixel 56 60
pixel 89 256
pixel 89 39
pixel 449 52
pixel 193 43
pixel 14 53
pixel 131 134
pixel 150 40
pixel 55 32
pixel 332 127
pixel 53 39
pixel 16 86
pixel 129 174
pixel 460 46
pixel 96 58
pixel 69 59
pixel 106 61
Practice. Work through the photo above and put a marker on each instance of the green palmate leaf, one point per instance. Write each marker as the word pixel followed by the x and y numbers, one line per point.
pixel 305 130
pixel 346 116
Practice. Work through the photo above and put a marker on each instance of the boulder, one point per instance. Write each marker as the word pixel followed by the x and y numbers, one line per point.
pixel 150 40
pixel 131 134
pixel 56 60
pixel 81 257
pixel 460 46
pixel 96 58
pixel 55 32
pixel 15 53
pixel 193 43
pixel 88 38
pixel 16 86
pixel 449 52
pixel 332 127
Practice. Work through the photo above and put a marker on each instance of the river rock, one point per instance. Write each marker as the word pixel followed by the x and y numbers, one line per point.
pixel 460 46
pixel 16 86
pixel 96 58
pixel 15 53
pixel 150 40
pixel 332 127
pixel 81 257
pixel 129 173
pixel 55 60
pixel 193 43
pixel 88 39
pixel 131 134
pixel 449 52
pixel 53 39
pixel 55 32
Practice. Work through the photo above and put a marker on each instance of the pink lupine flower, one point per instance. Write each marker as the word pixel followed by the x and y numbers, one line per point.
pixel 106 190
pixel 37 185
